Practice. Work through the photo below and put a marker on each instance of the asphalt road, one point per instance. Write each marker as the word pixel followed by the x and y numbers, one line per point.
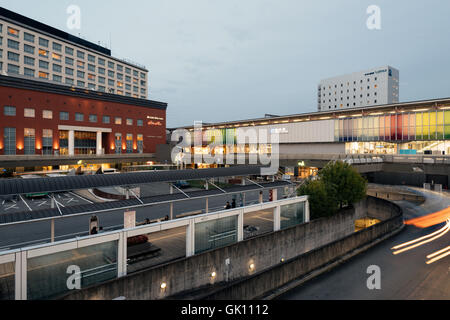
pixel 25 235
pixel 403 277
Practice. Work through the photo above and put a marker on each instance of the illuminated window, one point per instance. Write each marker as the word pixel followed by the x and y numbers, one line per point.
pixel 120 84
pixel 43 53
pixel 129 122
pixel 13 32
pixel 129 143
pixel 56 57
pixel 43 75
pixel 118 121
pixel 29 113
pixel 91 77
pixel 47 114
pixel 29 141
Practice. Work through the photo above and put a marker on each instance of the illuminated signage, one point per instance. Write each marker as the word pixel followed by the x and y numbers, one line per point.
pixel 155 124
pixel 279 131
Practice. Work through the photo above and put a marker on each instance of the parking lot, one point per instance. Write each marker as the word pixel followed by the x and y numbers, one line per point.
pixel 24 204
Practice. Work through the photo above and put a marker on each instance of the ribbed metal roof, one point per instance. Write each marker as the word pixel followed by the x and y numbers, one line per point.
pixel 68 183
pixel 8 218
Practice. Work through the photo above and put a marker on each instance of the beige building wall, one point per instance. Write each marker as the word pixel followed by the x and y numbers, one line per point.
pixel 29 52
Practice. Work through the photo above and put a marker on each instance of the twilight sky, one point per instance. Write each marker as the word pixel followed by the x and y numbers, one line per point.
pixel 220 60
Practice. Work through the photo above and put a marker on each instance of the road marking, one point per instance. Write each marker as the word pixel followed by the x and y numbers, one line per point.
pixel 12 207
pixel 88 201
pixel 25 203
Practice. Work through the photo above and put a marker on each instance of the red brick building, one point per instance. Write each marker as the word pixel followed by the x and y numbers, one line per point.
pixel 38 117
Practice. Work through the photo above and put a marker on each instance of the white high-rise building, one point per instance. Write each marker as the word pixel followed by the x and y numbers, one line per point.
pixel 373 87
pixel 32 49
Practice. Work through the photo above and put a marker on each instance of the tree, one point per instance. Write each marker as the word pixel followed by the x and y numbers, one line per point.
pixel 322 201
pixel 349 185
pixel 338 185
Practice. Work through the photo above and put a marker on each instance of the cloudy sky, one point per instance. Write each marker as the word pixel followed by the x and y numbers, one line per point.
pixel 220 60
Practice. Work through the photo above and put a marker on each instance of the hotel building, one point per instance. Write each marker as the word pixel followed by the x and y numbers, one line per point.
pixel 369 88
pixel 33 49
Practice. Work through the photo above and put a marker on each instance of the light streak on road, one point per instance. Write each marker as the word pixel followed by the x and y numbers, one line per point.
pixel 431 219
pixel 438 255
pixel 420 239
pixel 443 232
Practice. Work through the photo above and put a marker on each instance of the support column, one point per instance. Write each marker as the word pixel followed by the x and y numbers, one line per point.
pixel 207 205
pixel 261 199
pixel 122 255
pixel 71 143
pixel 171 204
pixel 52 230
pixel 277 218
pixel 18 276
pixel 21 276
pixel 99 143
pixel 240 226
pixel 190 239
pixel 307 212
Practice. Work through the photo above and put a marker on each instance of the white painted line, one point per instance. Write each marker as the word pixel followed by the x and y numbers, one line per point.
pixel 25 202
pixel 12 207
pixel 84 199
pixel 42 203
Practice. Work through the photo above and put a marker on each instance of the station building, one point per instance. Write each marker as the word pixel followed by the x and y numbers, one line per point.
pixel 410 128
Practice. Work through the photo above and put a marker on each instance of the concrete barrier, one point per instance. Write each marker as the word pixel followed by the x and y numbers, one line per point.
pixel 251 268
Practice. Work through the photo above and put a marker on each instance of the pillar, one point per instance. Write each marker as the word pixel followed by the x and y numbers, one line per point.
pixel 207 205
pixel 122 255
pixel 190 239
pixel 52 230
pixel 171 204
pixel 99 143
pixel 71 143
pixel 277 218
pixel 307 212
pixel 261 200
pixel 240 226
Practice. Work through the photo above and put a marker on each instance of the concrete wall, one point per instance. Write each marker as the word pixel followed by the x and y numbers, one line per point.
pixel 258 286
pixel 265 252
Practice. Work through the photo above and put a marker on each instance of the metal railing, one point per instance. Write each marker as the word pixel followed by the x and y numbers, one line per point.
pixel 59 256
